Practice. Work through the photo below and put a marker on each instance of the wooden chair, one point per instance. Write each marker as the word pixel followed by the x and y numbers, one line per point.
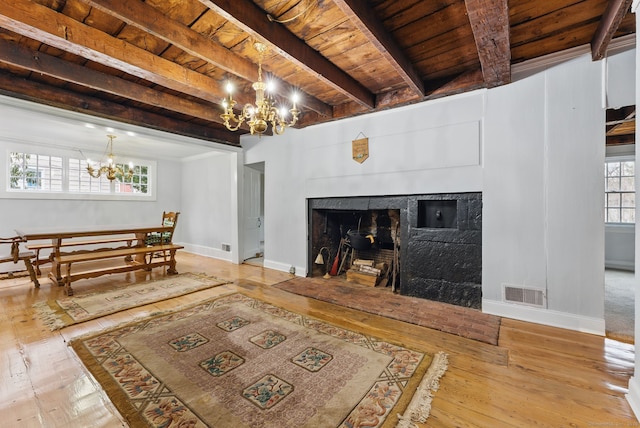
pixel 168 219
pixel 16 255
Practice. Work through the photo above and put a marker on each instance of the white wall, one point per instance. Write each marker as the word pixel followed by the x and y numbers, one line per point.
pixel 619 248
pixel 30 127
pixel 209 193
pixel 620 79
pixel 427 148
pixel 36 213
pixel 535 148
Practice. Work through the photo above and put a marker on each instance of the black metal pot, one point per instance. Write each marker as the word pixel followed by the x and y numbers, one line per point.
pixel 360 241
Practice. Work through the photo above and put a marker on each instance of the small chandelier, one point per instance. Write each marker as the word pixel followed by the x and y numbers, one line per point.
pixel 110 170
pixel 264 112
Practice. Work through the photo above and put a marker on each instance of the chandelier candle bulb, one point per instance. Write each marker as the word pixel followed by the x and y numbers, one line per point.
pixel 264 113
pixel 110 170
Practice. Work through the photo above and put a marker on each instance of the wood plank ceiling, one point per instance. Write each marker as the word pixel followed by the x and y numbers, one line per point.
pixel 164 63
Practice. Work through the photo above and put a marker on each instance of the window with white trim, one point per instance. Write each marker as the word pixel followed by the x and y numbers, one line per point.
pixel 33 172
pixel 620 192
pixel 42 173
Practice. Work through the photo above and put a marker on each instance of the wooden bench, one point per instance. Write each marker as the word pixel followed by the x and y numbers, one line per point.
pixel 81 236
pixel 16 255
pixel 143 260
pixel 128 241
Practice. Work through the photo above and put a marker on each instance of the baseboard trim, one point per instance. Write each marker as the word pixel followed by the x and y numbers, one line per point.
pixel 545 317
pixel 283 267
pixel 620 265
pixel 213 253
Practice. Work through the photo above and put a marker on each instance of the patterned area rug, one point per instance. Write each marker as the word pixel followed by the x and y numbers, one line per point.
pixel 83 307
pixel 238 362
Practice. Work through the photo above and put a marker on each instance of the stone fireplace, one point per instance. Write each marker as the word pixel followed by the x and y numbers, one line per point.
pixel 434 240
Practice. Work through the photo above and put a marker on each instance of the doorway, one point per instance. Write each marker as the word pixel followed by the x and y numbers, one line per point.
pixel 253 224
pixel 619 213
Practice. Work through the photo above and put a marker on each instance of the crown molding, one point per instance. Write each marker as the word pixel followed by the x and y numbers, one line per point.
pixel 528 68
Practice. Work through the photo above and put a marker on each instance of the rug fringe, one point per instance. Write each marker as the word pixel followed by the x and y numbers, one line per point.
pixel 420 406
pixel 48 316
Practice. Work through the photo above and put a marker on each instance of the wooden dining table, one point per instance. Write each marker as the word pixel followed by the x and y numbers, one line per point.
pixel 63 234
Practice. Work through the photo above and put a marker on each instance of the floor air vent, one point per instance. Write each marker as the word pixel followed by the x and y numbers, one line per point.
pixel 525 296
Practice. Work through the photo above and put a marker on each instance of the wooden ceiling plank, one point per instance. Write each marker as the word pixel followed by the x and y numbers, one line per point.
pixel 151 20
pixel 43 94
pixel 39 62
pixel 248 16
pixel 611 19
pixel 55 29
pixel 365 20
pixel 490 24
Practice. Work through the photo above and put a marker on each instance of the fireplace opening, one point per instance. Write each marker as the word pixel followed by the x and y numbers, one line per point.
pixel 427 246
pixel 363 245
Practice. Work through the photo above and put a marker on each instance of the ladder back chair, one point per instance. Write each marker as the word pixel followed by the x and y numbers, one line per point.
pixel 168 219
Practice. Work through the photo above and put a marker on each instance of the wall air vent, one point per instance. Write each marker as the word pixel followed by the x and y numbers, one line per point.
pixel 525 296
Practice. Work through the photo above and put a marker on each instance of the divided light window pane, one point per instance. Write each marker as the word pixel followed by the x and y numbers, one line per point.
pixel 620 192
pixel 42 173
pixel 33 172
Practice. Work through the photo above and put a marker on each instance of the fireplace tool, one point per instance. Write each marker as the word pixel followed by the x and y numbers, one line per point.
pixel 336 261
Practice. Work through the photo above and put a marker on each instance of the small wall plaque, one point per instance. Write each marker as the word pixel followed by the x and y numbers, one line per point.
pixel 360 148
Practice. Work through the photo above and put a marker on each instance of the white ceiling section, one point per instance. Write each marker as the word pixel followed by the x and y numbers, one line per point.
pixel 27 122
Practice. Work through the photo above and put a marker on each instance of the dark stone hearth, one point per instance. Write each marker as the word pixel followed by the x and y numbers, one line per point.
pixel 439 238
pixel 455 293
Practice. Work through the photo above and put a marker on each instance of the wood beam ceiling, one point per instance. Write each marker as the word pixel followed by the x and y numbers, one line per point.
pixel 613 15
pixel 39 62
pixel 254 21
pixel 149 19
pixel 621 126
pixel 490 24
pixel 362 16
pixel 58 30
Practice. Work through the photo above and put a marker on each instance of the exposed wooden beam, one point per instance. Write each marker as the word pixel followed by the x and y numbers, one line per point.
pixel 253 20
pixel 490 24
pixel 363 17
pixel 58 30
pixel 613 15
pixel 39 62
pixel 60 98
pixel 149 19
pixel 468 81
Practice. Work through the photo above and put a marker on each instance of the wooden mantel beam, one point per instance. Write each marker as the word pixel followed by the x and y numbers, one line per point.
pixel 613 15
pixel 362 16
pixel 254 21
pixel 490 24
pixel 149 19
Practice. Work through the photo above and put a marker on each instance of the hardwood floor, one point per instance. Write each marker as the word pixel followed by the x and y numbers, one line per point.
pixel 536 376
